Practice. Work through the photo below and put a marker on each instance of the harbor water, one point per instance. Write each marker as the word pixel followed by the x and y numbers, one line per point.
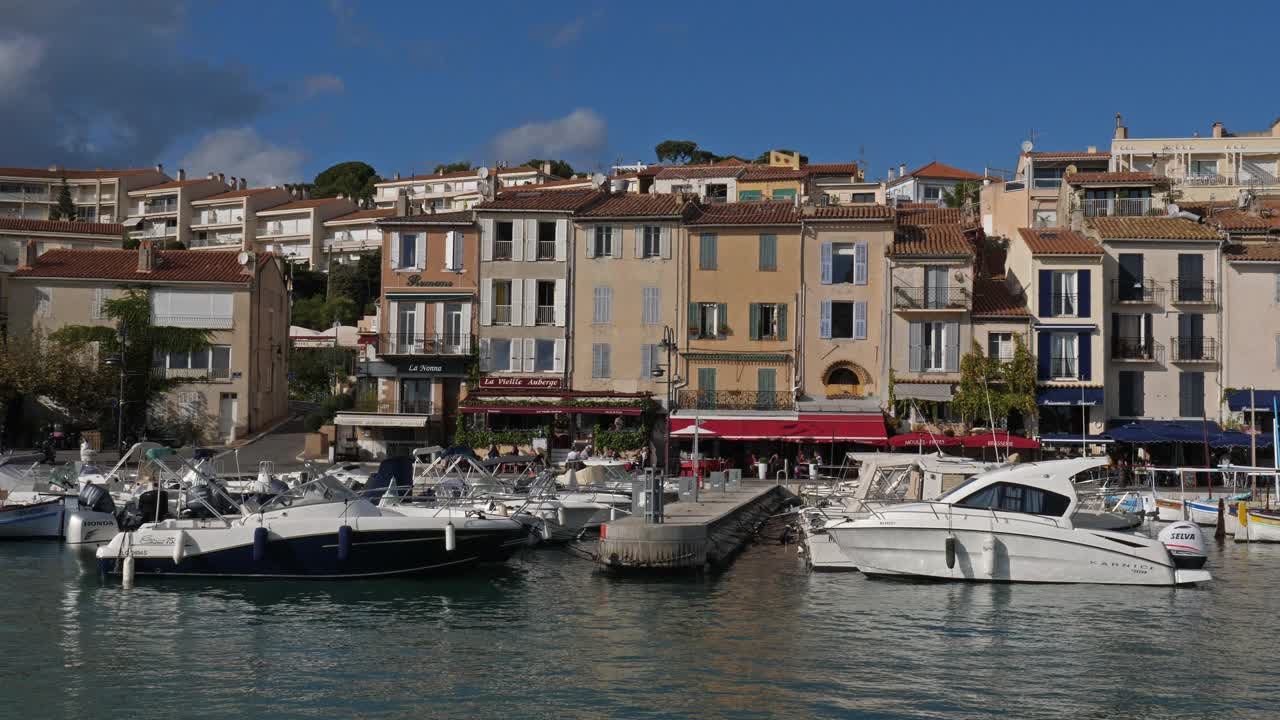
pixel 546 636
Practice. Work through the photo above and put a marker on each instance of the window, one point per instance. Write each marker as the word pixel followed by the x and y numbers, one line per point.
pixel 651 311
pixel 1131 283
pixel 707 251
pixel 706 385
pixel 1000 346
pixel 603 311
pixel 863 198
pixel 843 320
pixel 99 298
pixel 766 388
pixel 415 397
pixel 406 326
pixel 1063 362
pixel 546 307
pixel 717 193
pixel 932 192
pixel 408 250
pixel 504 234
pixel 749 196
pixel 502 302
pixel 1131 393
pixel 1064 293
pixel 784 194
pixel 1191 285
pixel 604 240
pixel 600 360
pixel 1204 167
pixel 707 319
pixel 454 250
pixel 648 361
pixel 652 244
pixel 768 321
pixel 544 355
pixel 547 240
pixel 1048 177
pixel 1191 394
pixel 768 252
pixel 937 287
pixel 87 214
pixel 191 404
pixel 934 349
pixel 192 308
pixel 1046 219
pixel 1008 497
pixel 500 355
pixel 844 263
pixel 214 360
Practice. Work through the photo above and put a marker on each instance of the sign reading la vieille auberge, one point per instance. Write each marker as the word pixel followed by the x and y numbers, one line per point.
pixel 522 383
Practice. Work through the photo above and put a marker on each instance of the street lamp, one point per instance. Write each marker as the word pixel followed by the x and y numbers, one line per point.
pixel 117 361
pixel 669 345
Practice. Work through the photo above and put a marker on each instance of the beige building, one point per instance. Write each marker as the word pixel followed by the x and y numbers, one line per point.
pixel 460 190
pixel 999 319
pixel 224 221
pixel 295 230
pixel 99 195
pixel 349 236
pixel 1031 198
pixel 163 212
pixel 238 385
pixel 16 233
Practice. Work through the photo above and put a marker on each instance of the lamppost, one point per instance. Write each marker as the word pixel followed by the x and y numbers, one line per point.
pixel 669 345
pixel 117 361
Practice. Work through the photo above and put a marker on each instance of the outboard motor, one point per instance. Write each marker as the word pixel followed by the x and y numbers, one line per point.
pixel 97 499
pixel 1185 542
pixel 204 496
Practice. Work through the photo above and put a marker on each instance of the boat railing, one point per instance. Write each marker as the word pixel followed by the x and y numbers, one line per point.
pixel 933 508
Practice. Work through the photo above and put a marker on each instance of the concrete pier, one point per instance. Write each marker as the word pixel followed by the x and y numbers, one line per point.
pixel 702 535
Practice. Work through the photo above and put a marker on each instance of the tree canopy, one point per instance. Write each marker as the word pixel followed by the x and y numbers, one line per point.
pixel 559 168
pixel 459 166
pixel 684 152
pixel 65 209
pixel 991 388
pixel 354 179
pixel 962 195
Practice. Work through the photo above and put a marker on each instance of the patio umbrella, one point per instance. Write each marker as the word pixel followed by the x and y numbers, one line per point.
pixel 690 430
pixel 920 439
pixel 1001 439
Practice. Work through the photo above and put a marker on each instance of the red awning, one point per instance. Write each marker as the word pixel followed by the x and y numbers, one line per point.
pixel 867 429
pixel 366 340
pixel 548 410
pixel 921 439
pixel 1000 438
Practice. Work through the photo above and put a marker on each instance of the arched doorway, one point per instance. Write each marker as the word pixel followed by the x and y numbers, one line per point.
pixel 846 380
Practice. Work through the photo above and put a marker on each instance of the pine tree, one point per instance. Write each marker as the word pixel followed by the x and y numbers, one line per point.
pixel 65 209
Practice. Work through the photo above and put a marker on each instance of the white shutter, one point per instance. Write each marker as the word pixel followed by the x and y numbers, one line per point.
pixel 860 264
pixel 448 250
pixel 530 239
pixel 530 354
pixel 395 250
pixel 486 302
pixel 517 355
pixel 420 262
pixel 639 241
pixel 590 239
pixel 824 320
pixel 439 321
pixel 518 317
pixel 517 240
pixel 615 240
pixel 559 300
pixel 562 235
pixel 459 249
pixel 666 243
pixel 530 302
pixel 860 320
pixel 419 322
pixel 606 361
pixel 465 329
pixel 486 239
pixel 484 355
pixel 558 365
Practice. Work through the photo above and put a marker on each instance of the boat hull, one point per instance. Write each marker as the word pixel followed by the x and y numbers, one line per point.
pixel 34 521
pixel 1260 526
pixel 824 555
pixel 1169 510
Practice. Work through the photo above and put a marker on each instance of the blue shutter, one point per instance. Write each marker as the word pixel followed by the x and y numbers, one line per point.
pixel 952 358
pixel 917 347
pixel 1084 291
pixel 695 319
pixel 1086 355
pixel 860 320
pixel 722 318
pixel 1046 293
pixel 860 264
pixel 824 326
pixel 1042 355
pixel 753 319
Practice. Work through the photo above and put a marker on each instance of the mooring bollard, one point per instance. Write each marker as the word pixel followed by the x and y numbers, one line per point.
pixel 1221 531
pixel 653 488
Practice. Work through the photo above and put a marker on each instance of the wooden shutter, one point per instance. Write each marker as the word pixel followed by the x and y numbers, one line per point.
pixel 486 302
pixel 1043 355
pixel 665 242
pixel 1085 349
pixel 606 360
pixel 395 250
pixel 860 320
pixel 695 321
pixel 766 380
pixel 615 241
pixel 1084 294
pixel 485 348
pixel 824 320
pixel 530 354
pixel 639 241
pixel 530 302
pixel 1046 293
pixel 486 239
pixel 420 247
pixel 559 303
pixel 518 316
pixel 562 235
pixel 516 355
pixel 753 319
pixel 722 318
pixel 782 321
pixel 826 264
pixel 917 347
pixel 448 250
pixel 593 233
pixel 517 240
pixel 860 264
pixel 530 240
pixel 557 359
pixel 952 359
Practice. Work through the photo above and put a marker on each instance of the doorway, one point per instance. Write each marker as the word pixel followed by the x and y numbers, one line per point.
pixel 454 337
pixel 228 410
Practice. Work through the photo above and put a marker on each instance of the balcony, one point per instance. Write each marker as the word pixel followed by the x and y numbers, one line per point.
pixel 217 240
pixel 501 314
pixel 1201 180
pixel 1195 292
pixel 931 298
pixel 415 344
pixel 1146 292
pixel 159 208
pixel 545 315
pixel 690 399
pixel 1195 350
pixel 546 250
pixel 502 249
pixel 1116 207
pixel 370 404
pixel 1046 183
pixel 194 375
pixel 1137 349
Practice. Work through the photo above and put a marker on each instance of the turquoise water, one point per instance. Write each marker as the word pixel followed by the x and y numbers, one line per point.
pixel 544 636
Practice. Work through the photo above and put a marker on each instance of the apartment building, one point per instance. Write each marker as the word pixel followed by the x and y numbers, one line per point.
pixel 229 220
pixel 927 184
pixel 1061 271
pixel 460 190
pixel 1163 282
pixel 235 387
pixel 99 195
pixel 710 183
pixel 1031 198
pixel 163 212
pixel 295 230
pixel 1000 319
pixel 1214 167
pixel 16 233
pixel 348 237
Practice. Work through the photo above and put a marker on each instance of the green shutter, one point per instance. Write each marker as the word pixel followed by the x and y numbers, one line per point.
pixel 768 252
pixel 748 195
pixel 784 194
pixel 766 380
pixel 782 321
pixel 694 319
pixel 753 317
pixel 722 318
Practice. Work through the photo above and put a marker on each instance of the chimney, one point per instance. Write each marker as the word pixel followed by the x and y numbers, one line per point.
pixel 306 193
pixel 1219 130
pixel 244 184
pixel 902 170
pixel 222 178
pixel 890 172
pixel 160 168
pixel 182 173
pixel 1092 149
pixel 146 256
pixel 1122 132
pixel 231 182
pixel 208 176
pixel 30 252
pixel 396 176
pixel 402 203
pixel 546 168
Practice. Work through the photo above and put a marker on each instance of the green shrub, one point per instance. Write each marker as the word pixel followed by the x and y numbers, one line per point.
pixel 313 422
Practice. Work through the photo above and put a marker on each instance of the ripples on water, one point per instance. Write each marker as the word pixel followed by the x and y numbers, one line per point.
pixel 546 637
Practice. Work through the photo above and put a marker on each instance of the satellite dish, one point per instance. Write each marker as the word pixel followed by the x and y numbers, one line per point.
pixel 482 172
pixel 1027 145
pixel 243 258
pixel 597 180
pixel 1072 170
pixel 1173 209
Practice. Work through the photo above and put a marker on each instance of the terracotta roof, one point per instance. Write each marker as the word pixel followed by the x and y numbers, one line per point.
pixel 1151 228
pixel 530 198
pixel 933 240
pixel 850 168
pixel 920 214
pixel 1236 220
pixel 681 172
pixel 759 173
pixel 457 217
pixel 372 214
pixel 991 298
pixel 235 194
pixel 1058 241
pixel 62 226
pixel 1111 178
pixel 632 205
pixel 650 171
pixel 937 170
pixel 755 213
pixel 555 184
pixel 455 174
pixel 171 185
pixel 1253 252
pixel 69 174
pixel 302 204
pixel 1072 155
pixel 849 212
pixel 171 266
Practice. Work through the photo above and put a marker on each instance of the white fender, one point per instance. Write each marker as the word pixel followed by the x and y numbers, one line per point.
pixel 179 546
pixel 450 537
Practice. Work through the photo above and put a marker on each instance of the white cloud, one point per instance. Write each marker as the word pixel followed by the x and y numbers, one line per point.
pixel 244 153
pixel 19 56
pixel 567 33
pixel 582 134
pixel 313 85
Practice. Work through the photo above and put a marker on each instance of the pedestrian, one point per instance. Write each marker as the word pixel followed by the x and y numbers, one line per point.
pixel 86 451
pixel 493 452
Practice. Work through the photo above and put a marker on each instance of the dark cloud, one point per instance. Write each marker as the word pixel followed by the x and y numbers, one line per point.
pixel 109 85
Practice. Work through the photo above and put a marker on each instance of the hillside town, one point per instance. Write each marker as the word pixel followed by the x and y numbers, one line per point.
pixel 1080 297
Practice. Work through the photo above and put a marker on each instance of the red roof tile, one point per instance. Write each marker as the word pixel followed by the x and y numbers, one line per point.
pixel 921 214
pixel 848 212
pixel 991 298
pixel 850 168
pixel 1150 228
pixel 939 171
pixel 1237 220
pixel 1058 241
pixel 682 172
pixel 171 185
pixel 1112 178
pixel 632 205
pixel 651 171
pixel 530 198
pixel 171 266
pixel 555 184
pixel 933 240
pixel 761 173
pixel 69 174
pixel 116 231
pixel 755 213
pixel 236 194
pixel 302 204
pixel 1268 252
pixel 457 217
pixel 1071 155
pixel 372 214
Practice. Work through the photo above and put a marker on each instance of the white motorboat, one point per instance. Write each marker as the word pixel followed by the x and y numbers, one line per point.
pixel 1011 524
pixel 320 529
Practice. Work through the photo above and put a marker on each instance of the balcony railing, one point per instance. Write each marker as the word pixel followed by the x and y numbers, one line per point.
pixel 415 344
pixel 1116 207
pixel 1201 179
pixel 1195 349
pixel 735 400
pixel 1047 183
pixel 159 207
pixel 1195 292
pixel 1148 291
pixel 546 250
pixel 370 404
pixel 545 315
pixel 218 241
pixel 930 298
pixel 204 375
pixel 501 314
pixel 501 249
pixel 1063 367
pixel 1138 349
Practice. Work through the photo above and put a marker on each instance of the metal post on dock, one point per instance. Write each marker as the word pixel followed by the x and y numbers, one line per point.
pixel 653 487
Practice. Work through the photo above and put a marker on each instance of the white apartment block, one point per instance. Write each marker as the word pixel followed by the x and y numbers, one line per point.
pixel 99 195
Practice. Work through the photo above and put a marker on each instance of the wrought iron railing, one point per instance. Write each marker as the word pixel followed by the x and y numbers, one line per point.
pixel 1201 292
pixel 545 315
pixel 430 344
pixel 546 250
pixel 1116 207
pixel 196 375
pixel 1195 349
pixel 404 407
pixel 1146 291
pixel 502 249
pixel 735 400
pixel 1137 348
pixel 930 298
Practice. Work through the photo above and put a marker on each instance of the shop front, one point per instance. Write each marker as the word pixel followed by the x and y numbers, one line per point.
pixel 403 403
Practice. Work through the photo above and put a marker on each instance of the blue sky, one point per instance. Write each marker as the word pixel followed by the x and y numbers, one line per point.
pixel 277 91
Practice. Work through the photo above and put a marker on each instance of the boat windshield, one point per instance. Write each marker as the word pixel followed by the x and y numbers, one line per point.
pixel 960 490
pixel 324 489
